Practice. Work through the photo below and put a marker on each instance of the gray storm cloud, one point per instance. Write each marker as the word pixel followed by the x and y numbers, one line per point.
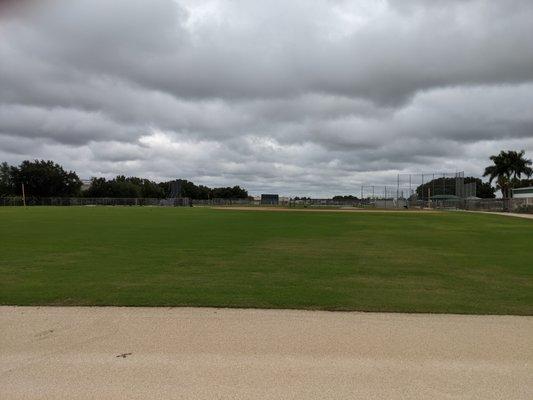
pixel 299 97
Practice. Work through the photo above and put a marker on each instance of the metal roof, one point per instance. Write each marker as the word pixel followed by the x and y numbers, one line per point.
pixel 524 189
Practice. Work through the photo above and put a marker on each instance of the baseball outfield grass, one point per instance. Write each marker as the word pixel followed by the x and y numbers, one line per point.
pixel 446 262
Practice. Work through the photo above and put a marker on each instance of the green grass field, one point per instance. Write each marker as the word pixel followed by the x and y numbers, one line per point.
pixel 407 261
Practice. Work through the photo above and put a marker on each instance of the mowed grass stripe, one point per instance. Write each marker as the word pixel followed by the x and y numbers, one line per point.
pixel 135 256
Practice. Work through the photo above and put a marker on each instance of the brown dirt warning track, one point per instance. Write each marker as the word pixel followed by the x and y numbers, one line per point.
pixel 347 209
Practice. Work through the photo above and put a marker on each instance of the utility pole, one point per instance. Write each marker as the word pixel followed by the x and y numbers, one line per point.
pixel 398 192
pixel 23 196
pixel 398 188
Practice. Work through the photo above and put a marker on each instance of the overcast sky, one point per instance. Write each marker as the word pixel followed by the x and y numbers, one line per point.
pixel 294 97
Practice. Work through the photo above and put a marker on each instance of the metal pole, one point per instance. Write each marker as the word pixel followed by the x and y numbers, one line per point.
pixel 398 188
pixel 23 196
pixel 422 190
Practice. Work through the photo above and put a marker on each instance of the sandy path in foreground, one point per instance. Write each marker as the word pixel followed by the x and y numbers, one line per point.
pixel 190 353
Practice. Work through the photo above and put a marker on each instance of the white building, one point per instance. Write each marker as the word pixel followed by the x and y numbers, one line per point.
pixel 524 193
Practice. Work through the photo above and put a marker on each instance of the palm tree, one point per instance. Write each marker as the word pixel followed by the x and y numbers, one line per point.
pixel 520 165
pixel 507 168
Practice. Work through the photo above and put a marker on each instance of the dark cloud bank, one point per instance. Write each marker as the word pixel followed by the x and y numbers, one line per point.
pixel 298 97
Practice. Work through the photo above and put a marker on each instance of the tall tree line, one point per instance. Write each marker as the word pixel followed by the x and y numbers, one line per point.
pixel 446 186
pixel 47 179
pixel 40 179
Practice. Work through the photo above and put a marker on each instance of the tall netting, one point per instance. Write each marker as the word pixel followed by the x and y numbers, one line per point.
pixel 384 196
pixel 434 185
pixel 419 189
pixel 470 190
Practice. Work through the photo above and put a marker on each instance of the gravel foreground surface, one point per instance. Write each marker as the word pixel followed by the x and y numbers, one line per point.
pixel 205 353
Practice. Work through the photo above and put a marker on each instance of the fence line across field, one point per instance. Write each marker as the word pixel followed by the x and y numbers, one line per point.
pixel 385 202
pixel 96 201
pixel 435 190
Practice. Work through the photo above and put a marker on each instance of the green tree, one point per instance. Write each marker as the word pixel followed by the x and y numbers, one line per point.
pixel 44 179
pixel 523 183
pixel 483 189
pixel 188 189
pixel 507 168
pixel 343 198
pixel 447 186
pixel 97 188
pixel 138 187
pixel 125 187
pixel 437 187
pixel 6 181
pixel 150 189
pixel 235 192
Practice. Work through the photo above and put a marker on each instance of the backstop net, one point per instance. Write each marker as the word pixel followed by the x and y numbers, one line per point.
pixel 419 189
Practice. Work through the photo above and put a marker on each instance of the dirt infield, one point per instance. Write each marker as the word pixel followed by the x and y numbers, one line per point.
pixel 347 209
pixel 506 214
pixel 190 353
pixel 363 210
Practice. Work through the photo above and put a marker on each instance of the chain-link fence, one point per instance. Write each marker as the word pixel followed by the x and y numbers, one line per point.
pixel 417 190
pixel 519 205
pixel 97 201
pixel 117 201
pixel 378 201
pixel 225 202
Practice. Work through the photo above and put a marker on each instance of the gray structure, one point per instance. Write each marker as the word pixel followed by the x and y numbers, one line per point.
pixel 175 188
pixel 523 193
pixel 470 190
pixel 270 199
